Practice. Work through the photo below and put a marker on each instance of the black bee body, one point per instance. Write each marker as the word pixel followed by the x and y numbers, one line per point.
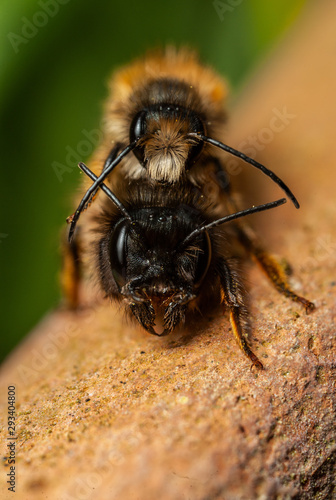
pixel 145 261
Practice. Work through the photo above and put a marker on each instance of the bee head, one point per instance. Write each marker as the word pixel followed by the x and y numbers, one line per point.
pixel 154 271
pixel 164 147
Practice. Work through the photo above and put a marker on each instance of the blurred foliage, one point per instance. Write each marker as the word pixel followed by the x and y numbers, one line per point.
pixel 55 58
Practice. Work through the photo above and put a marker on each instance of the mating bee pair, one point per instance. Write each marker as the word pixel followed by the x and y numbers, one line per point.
pixel 158 237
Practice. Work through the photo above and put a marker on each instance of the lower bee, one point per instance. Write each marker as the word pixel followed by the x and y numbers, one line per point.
pixel 165 256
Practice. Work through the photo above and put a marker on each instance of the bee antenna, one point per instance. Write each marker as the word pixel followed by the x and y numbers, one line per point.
pixel 231 217
pixel 252 162
pixel 110 164
pixel 106 190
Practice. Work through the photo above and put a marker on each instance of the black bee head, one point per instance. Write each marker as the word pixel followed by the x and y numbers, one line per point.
pixel 155 273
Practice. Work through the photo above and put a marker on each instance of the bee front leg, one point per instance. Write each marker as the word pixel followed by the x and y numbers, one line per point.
pixel 140 305
pixel 232 298
pixel 175 312
pixel 238 330
pixel 145 315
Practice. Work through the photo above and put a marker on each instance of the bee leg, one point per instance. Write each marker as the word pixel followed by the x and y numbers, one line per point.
pixel 236 323
pixel 175 312
pixel 70 274
pixel 215 184
pixel 275 272
pixel 221 176
pixel 145 314
pixel 139 304
pixel 233 299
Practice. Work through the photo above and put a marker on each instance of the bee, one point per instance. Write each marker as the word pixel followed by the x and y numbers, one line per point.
pixel 159 239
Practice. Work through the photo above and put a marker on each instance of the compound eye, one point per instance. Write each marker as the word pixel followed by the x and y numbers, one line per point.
pixel 196 126
pixel 204 259
pixel 137 130
pixel 118 253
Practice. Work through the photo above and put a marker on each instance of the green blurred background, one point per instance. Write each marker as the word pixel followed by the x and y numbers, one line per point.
pixel 55 57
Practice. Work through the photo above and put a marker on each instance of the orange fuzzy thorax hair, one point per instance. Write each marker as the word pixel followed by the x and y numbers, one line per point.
pixel 181 64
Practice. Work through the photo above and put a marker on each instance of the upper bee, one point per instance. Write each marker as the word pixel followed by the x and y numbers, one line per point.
pixel 159 102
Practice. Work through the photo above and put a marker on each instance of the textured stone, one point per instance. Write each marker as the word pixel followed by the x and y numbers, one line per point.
pixel 107 411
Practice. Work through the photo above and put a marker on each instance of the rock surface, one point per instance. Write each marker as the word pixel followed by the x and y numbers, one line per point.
pixel 105 411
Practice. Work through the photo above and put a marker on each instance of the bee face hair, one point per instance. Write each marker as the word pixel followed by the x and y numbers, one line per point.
pixel 164 145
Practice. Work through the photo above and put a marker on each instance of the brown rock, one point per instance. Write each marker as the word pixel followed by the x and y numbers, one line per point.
pixel 106 411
